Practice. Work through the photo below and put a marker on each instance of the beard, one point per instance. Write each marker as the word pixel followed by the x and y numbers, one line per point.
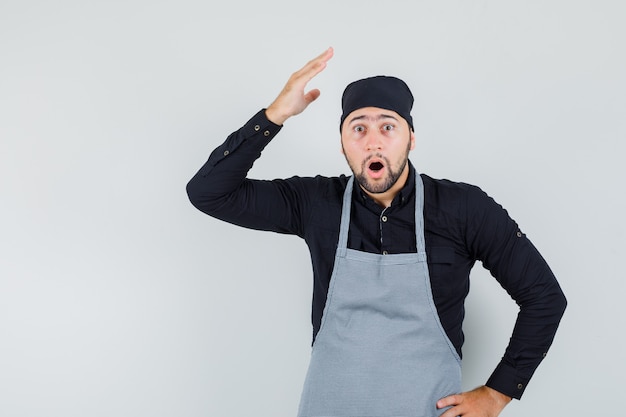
pixel 393 173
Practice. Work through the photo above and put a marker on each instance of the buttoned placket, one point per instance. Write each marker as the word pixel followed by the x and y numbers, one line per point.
pixel 382 223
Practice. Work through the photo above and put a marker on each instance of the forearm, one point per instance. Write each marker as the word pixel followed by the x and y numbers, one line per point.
pixel 228 166
pixel 541 309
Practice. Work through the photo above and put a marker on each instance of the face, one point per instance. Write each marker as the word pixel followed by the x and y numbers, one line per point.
pixel 376 143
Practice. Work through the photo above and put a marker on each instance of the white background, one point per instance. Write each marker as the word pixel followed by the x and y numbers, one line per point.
pixel 118 298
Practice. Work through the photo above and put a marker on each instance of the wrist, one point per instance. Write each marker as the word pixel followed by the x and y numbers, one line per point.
pixel 275 116
pixel 499 397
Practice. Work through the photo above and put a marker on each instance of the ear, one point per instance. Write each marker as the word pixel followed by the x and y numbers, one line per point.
pixel 412 139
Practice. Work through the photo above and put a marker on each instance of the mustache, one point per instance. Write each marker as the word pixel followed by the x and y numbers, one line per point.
pixel 367 160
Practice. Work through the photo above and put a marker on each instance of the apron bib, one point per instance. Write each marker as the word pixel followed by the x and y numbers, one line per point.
pixel 381 350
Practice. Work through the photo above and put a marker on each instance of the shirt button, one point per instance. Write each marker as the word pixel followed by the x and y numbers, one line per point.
pixel 257 128
pixel 226 153
pixel 520 386
pixel 385 252
pixel 384 218
pixel 266 133
pixel 519 234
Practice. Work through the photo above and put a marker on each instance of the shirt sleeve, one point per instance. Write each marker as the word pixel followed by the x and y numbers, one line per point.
pixel 222 190
pixel 497 241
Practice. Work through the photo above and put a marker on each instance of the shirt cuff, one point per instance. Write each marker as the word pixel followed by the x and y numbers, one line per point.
pixel 260 124
pixel 256 134
pixel 506 380
pixel 259 128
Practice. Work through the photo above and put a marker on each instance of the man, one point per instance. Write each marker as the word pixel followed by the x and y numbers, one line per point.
pixel 391 251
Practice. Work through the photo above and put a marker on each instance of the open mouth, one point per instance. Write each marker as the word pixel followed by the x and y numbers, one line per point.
pixel 376 166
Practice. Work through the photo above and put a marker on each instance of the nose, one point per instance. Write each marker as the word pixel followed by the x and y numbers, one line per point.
pixel 373 141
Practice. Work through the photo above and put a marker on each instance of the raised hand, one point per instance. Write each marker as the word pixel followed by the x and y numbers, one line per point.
pixel 292 99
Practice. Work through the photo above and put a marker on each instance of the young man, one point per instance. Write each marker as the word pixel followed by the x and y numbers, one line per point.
pixel 392 251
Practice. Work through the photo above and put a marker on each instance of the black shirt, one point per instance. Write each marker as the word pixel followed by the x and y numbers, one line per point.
pixel 462 224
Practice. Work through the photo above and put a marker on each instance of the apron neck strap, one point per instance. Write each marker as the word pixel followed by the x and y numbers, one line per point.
pixel 419 215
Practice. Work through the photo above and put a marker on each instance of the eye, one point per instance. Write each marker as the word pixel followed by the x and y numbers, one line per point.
pixel 388 127
pixel 359 128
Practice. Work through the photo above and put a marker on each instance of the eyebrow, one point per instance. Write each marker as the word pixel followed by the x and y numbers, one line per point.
pixel 380 116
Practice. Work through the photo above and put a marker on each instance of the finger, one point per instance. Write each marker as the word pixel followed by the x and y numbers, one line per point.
pixel 324 56
pixel 315 66
pixel 449 401
pixel 320 59
pixel 453 412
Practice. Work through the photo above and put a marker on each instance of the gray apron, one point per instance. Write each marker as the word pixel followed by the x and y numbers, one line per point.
pixel 381 350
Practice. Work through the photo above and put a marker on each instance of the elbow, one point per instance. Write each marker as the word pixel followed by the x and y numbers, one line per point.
pixel 199 192
pixel 558 300
pixel 557 297
pixel 544 303
pixel 192 193
pixel 562 302
pixel 555 303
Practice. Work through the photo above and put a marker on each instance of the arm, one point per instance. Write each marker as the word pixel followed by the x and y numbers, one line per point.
pixel 495 239
pixel 221 189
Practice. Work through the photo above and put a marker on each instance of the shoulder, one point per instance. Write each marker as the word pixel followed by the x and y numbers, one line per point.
pixel 447 192
pixel 316 196
pixel 456 203
pixel 320 206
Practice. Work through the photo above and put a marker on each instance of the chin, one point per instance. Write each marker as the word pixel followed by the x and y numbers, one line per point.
pixel 376 188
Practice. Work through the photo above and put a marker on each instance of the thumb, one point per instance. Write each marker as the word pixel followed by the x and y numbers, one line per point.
pixel 311 96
